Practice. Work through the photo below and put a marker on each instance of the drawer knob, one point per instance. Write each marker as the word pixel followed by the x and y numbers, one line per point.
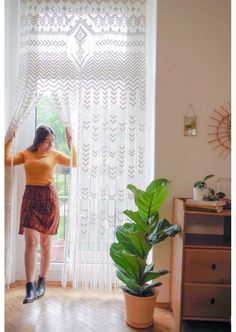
pixel 213 266
pixel 212 301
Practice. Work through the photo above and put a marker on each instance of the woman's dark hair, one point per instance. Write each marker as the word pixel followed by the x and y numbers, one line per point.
pixel 40 135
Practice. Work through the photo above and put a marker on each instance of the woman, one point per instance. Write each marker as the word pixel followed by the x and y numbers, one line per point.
pixel 40 209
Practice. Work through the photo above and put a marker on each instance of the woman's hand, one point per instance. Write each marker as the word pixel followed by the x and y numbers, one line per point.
pixel 68 137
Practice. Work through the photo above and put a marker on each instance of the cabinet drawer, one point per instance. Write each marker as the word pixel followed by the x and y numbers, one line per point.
pixel 208 301
pixel 206 265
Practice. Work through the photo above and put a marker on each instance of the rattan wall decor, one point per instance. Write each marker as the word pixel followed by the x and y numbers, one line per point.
pixel 220 130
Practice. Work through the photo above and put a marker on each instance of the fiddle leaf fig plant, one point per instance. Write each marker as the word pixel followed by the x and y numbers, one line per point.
pixel 137 237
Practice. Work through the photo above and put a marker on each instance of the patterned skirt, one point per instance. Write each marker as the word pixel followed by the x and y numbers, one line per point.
pixel 40 209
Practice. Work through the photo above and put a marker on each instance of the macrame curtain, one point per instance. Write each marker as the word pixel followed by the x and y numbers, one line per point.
pixel 90 57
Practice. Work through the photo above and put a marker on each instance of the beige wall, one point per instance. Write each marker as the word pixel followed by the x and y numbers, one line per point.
pixel 193 65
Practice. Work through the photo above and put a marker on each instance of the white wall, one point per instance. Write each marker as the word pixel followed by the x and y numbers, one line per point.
pixel 193 65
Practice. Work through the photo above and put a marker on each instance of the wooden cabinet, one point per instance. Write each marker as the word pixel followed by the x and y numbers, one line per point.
pixel 201 265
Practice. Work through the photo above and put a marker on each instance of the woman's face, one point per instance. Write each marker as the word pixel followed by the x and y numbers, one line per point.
pixel 47 144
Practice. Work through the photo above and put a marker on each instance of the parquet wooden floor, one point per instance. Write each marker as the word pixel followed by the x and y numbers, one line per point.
pixel 68 310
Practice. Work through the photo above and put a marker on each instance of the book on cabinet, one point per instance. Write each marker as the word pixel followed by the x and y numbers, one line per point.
pixel 191 201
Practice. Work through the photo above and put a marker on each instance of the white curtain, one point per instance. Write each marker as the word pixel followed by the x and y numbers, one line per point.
pixel 91 57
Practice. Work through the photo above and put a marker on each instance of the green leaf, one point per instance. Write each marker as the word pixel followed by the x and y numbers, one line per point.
pixel 164 230
pixel 138 238
pixel 157 183
pixel 129 282
pixel 118 256
pixel 212 192
pixel 130 291
pixel 149 286
pixel 200 184
pixel 153 275
pixel 134 215
pixel 135 239
pixel 149 268
pixel 131 227
pixel 208 177
pixel 149 202
pixel 138 264
pixel 132 188
pixel 132 240
pixel 153 223
pixel 124 237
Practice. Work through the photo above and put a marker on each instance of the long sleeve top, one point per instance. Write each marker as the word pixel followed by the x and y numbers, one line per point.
pixel 39 166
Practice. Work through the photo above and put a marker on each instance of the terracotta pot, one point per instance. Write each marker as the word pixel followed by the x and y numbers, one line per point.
pixel 139 310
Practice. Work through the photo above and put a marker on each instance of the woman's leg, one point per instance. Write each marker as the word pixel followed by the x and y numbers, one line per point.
pixel 45 243
pixel 31 244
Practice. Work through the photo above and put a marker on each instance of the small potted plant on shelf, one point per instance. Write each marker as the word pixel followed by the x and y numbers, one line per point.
pixel 135 239
pixel 200 188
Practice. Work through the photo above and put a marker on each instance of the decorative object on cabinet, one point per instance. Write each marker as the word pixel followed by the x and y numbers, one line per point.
pixel 202 192
pixel 201 266
pixel 200 188
pixel 190 122
pixel 220 130
pixel 135 240
pixel 224 185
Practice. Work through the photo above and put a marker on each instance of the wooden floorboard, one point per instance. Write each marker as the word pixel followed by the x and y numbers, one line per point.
pixel 69 310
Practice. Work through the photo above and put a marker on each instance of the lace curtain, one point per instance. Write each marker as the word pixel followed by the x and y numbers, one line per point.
pixel 90 57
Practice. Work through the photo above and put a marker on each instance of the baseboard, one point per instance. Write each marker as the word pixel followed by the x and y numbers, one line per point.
pixel 163 305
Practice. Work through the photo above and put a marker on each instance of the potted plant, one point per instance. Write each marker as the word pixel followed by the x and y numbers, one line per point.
pixel 200 188
pixel 135 239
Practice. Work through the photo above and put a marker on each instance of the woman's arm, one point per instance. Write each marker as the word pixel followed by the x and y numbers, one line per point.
pixel 17 159
pixel 63 159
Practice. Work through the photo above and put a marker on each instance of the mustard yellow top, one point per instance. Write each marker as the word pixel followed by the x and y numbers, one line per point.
pixel 39 166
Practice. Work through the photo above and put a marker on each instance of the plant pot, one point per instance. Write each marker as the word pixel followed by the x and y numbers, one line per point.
pixel 139 310
pixel 199 193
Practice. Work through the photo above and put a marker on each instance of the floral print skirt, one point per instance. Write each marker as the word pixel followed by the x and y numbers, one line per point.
pixel 40 209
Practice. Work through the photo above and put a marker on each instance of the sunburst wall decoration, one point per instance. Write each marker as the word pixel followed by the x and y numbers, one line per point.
pixel 220 130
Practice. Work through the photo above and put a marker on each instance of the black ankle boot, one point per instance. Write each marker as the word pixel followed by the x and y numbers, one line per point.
pixel 30 293
pixel 40 287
